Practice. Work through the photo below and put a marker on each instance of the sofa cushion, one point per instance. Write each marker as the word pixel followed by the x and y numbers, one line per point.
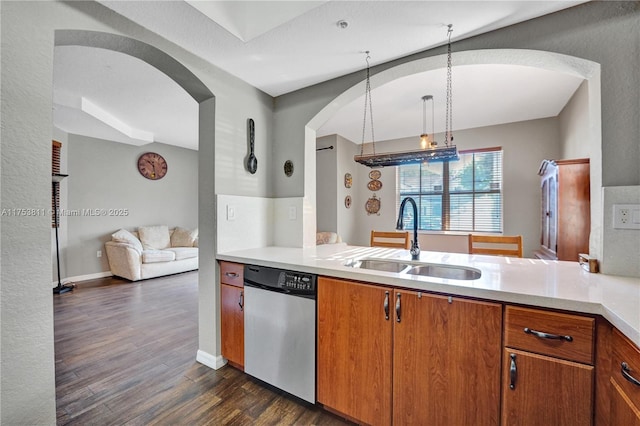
pixel 184 252
pixel 155 256
pixel 182 237
pixel 124 236
pixel 154 237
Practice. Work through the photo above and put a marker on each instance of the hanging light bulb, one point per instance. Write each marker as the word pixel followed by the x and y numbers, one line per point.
pixel 425 140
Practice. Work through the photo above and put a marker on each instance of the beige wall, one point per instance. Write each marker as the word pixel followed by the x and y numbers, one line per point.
pixel 525 145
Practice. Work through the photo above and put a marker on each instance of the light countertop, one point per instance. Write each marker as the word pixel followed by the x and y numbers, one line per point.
pixel 534 282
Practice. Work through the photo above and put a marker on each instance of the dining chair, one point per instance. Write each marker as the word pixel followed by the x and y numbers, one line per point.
pixel 497 245
pixel 390 239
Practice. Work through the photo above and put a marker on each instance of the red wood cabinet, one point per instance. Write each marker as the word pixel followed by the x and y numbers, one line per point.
pixel 232 313
pixel 403 357
pixel 565 209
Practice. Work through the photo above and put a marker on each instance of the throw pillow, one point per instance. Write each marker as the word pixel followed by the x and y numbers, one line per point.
pixel 154 237
pixel 124 236
pixel 182 237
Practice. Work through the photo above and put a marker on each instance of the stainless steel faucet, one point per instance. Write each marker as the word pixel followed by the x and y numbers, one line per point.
pixel 415 247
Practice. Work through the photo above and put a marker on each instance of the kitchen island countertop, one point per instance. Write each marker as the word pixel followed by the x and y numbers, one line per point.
pixel 534 282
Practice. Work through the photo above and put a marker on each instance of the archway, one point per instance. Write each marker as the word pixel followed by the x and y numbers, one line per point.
pixel 208 341
pixel 588 70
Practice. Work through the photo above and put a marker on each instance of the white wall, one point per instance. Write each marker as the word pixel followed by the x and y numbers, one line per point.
pixel 28 28
pixel 525 145
pixel 575 125
pixel 620 245
pixel 594 31
pixel 326 184
pixel 103 175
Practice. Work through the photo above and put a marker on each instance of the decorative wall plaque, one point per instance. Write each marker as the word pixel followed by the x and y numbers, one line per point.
pixel 348 180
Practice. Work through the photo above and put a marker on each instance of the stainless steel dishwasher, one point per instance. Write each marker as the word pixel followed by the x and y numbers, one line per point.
pixel 280 329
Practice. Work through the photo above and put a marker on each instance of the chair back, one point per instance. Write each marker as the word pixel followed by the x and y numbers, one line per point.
pixel 497 245
pixel 390 239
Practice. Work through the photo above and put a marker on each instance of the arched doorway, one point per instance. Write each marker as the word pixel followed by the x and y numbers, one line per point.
pixel 585 69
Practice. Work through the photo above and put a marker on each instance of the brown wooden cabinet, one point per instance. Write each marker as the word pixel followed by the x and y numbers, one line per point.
pixel 232 313
pixel 354 350
pixel 624 390
pixel 404 357
pixel 548 373
pixel 446 360
pixel 565 209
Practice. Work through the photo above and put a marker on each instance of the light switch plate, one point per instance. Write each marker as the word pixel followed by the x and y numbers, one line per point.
pixel 231 213
pixel 626 216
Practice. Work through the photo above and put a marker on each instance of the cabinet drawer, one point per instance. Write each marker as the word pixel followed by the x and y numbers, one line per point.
pixel 232 274
pixel 625 351
pixel 522 324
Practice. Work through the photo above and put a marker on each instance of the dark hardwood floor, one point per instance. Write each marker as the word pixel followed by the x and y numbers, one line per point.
pixel 125 355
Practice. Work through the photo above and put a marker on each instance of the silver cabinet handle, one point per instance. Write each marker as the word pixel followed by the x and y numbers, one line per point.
pixel 241 301
pixel 398 307
pixel 625 370
pixel 232 274
pixel 386 305
pixel 544 335
pixel 513 372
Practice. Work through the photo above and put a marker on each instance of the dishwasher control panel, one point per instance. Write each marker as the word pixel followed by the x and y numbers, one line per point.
pixel 283 281
pixel 297 281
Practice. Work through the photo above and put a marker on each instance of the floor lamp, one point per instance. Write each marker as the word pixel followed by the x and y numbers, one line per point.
pixel 55 184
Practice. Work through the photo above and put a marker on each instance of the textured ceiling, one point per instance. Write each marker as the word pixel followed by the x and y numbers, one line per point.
pixel 280 47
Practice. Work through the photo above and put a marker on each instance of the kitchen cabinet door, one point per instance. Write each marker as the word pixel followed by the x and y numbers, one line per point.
pixel 354 350
pixel 542 390
pixel 446 366
pixel 623 411
pixel 232 324
pixel 624 381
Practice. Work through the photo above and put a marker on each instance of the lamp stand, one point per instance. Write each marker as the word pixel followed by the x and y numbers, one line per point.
pixel 59 289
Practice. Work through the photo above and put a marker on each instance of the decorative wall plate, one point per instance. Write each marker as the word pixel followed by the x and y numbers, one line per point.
pixel 373 205
pixel 348 180
pixel 375 174
pixel 374 185
pixel 347 201
pixel 288 168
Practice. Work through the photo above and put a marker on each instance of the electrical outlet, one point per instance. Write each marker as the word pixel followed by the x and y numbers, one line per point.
pixel 99 253
pixel 292 213
pixel 626 216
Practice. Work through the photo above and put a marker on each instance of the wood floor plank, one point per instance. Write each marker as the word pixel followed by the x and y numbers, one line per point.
pixel 125 355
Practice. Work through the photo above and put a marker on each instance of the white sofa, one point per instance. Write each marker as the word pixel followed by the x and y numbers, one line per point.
pixel 152 251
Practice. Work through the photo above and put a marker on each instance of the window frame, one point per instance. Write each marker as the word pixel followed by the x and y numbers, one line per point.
pixel 445 195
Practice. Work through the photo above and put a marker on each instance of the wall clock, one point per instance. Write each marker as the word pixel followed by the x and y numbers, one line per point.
pixel 152 166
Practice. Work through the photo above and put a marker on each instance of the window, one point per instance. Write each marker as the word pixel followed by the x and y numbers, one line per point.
pixel 464 195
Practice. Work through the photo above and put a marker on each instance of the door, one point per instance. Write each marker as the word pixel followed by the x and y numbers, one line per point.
pixel 446 366
pixel 541 390
pixel 232 324
pixel 354 350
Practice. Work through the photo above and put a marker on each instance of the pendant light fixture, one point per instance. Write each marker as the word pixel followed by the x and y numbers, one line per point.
pixel 430 152
pixel 425 140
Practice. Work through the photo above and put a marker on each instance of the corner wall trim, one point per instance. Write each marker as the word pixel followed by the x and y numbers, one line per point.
pixel 209 360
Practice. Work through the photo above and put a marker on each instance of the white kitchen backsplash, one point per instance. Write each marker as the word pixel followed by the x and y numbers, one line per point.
pixel 252 222
pixel 621 248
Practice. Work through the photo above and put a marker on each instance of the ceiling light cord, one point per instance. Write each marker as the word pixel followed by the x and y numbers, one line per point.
pixel 367 99
pixel 448 133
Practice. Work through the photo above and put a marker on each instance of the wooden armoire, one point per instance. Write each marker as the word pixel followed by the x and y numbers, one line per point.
pixel 565 212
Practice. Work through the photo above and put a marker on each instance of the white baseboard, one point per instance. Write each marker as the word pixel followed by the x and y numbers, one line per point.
pixel 209 360
pixel 79 278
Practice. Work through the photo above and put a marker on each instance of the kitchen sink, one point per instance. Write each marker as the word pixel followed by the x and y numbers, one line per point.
pixel 450 272
pixel 382 265
pixel 446 271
